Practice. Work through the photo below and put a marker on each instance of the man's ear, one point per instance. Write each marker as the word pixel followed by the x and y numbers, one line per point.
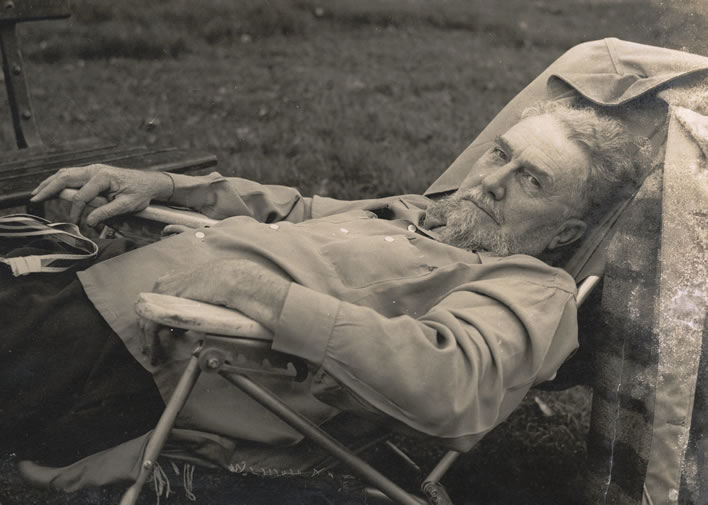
pixel 570 231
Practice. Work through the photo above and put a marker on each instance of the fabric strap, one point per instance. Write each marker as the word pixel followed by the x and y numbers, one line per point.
pixel 68 245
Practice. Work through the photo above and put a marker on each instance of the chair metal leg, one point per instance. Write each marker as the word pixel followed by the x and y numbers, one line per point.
pixel 433 490
pixel 404 457
pixel 443 466
pixel 317 435
pixel 162 430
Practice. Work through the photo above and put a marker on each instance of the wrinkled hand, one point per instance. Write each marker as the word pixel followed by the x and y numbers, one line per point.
pixel 126 190
pixel 243 285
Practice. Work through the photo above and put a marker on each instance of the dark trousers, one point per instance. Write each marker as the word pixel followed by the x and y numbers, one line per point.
pixel 68 385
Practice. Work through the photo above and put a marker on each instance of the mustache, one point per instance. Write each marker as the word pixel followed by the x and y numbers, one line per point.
pixel 483 201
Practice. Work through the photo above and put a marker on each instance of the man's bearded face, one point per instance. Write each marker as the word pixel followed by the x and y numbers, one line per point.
pixel 472 220
pixel 520 197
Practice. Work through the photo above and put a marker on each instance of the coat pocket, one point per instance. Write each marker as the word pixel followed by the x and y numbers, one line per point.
pixel 363 261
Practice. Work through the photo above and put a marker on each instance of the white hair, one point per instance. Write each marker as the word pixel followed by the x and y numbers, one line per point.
pixel 618 159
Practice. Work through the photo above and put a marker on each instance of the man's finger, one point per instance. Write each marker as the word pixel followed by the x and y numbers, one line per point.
pixel 159 341
pixel 174 229
pixel 121 205
pixel 165 344
pixel 94 187
pixel 42 184
pixel 142 324
pixel 148 336
pixel 53 186
pixel 65 178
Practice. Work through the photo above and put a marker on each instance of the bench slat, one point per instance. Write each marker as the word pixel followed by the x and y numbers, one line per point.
pixel 52 161
pixel 33 10
pixel 79 145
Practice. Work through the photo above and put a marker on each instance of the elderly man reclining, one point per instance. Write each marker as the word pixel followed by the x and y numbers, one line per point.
pixel 437 313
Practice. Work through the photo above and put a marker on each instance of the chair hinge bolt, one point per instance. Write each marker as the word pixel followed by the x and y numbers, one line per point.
pixel 9 5
pixel 26 114
pixel 147 464
pixel 16 69
pixel 213 363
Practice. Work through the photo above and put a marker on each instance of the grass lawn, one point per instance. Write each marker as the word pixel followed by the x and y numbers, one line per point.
pixel 345 98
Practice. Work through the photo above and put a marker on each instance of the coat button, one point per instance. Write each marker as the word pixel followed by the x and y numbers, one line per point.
pixel 274 226
pixel 199 234
pixel 412 228
pixel 388 238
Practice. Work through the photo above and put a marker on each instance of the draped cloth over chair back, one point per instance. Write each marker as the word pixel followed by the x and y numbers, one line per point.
pixel 681 314
pixel 649 407
pixel 625 356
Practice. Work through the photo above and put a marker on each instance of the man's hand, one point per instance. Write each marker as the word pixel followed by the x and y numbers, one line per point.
pixel 126 190
pixel 243 285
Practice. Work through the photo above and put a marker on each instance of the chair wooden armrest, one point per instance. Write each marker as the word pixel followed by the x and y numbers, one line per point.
pixel 189 314
pixel 214 356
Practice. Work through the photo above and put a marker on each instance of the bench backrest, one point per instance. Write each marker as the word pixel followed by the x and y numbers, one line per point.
pixel 18 95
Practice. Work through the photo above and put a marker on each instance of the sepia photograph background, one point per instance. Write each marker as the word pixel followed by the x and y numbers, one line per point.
pixel 342 98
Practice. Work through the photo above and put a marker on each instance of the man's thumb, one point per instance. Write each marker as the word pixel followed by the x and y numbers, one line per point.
pixel 120 205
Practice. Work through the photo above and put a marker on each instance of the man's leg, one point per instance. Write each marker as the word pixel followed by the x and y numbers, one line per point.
pixel 68 385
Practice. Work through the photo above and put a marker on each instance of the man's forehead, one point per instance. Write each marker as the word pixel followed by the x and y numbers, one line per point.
pixel 542 143
pixel 539 130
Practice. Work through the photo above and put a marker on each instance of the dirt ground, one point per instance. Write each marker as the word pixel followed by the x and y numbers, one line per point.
pixel 346 99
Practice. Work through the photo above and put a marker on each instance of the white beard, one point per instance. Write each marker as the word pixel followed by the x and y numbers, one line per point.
pixel 466 226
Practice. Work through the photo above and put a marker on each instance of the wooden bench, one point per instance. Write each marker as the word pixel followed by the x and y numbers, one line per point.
pixel 23 169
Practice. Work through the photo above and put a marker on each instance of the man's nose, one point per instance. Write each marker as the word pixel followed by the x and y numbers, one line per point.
pixel 496 180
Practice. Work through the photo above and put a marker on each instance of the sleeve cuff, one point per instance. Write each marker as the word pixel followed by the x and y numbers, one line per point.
pixel 190 190
pixel 305 324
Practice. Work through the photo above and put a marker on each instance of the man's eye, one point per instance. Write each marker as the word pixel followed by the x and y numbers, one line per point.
pixel 498 153
pixel 531 180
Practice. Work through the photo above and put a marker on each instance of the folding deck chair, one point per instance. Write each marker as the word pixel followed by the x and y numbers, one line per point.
pixel 229 341
pixel 228 337
pixel 222 330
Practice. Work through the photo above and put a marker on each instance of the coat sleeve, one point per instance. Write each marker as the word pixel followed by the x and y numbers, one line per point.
pixel 220 197
pixel 456 371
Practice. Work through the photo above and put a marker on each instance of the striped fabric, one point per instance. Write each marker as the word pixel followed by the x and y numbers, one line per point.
pixel 45 246
pixel 626 356
pixel 649 425
pixel 676 463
